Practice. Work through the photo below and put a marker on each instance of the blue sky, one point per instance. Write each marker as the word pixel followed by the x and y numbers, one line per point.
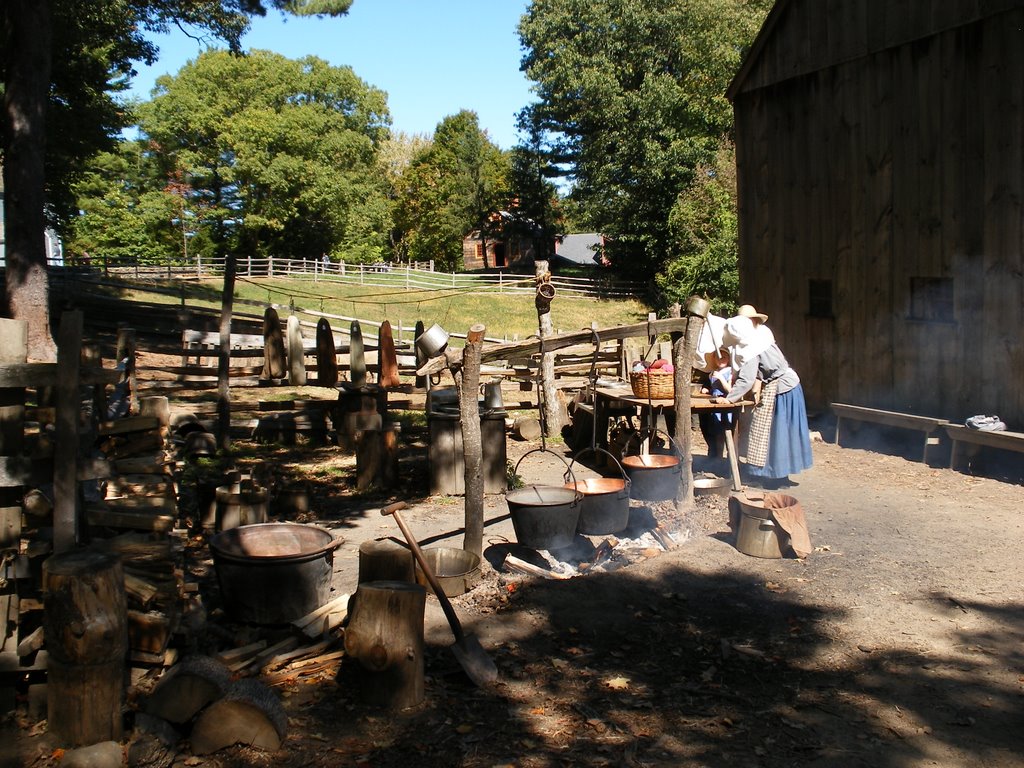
pixel 432 57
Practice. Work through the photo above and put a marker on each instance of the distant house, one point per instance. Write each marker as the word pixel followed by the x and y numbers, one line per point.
pixel 581 250
pixel 512 242
pixel 881 180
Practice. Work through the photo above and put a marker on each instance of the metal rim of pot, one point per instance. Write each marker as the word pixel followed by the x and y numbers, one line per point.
pixel 595 451
pixel 651 433
pixel 568 469
pixel 272 559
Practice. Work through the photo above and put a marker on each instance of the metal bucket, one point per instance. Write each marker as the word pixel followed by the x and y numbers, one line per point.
pixel 457 570
pixel 757 534
pixel 655 476
pixel 433 341
pixel 711 486
pixel 544 516
pixel 274 573
pixel 604 508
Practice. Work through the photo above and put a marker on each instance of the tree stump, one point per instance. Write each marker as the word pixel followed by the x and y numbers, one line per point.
pixel 250 714
pixel 385 561
pixel 385 636
pixel 86 628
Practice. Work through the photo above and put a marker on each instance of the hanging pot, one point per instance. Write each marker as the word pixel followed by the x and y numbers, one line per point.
pixel 433 341
pixel 605 505
pixel 544 516
pixel 654 476
pixel 695 305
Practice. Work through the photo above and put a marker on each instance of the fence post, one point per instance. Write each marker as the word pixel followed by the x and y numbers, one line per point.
pixel 65 455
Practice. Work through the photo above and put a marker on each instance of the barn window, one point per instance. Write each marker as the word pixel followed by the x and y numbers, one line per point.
pixel 931 299
pixel 819 298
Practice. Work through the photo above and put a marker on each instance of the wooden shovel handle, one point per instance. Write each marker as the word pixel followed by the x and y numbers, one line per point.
pixel 442 598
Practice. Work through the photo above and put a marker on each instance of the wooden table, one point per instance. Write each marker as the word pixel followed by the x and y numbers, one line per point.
pixel 609 399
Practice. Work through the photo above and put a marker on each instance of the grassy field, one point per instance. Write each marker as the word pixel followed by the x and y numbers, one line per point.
pixel 506 315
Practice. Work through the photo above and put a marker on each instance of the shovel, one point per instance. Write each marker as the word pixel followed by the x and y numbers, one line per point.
pixel 467 649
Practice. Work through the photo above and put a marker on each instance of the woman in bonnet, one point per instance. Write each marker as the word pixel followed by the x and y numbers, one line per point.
pixel 778 443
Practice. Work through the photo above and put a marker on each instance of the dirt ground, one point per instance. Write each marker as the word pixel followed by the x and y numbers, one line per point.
pixel 896 643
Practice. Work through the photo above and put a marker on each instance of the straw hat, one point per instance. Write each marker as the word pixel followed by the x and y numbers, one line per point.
pixel 747 310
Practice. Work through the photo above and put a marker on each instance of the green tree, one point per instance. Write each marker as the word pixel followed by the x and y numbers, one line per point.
pixel 631 98
pixel 451 188
pixel 280 154
pixel 67 97
pixel 705 237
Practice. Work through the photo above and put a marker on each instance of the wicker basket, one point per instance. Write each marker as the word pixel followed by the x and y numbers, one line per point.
pixel 656 385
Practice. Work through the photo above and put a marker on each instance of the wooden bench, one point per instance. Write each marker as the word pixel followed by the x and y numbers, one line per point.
pixel 1008 441
pixel 926 424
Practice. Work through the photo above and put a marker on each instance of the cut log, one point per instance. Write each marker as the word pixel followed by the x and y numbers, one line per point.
pixel 187 688
pixel 104 515
pixel 85 628
pixel 249 714
pixel 139 590
pixel 149 632
pixel 157 462
pixel 242 652
pixel 299 653
pixel 385 636
pixel 338 604
pixel 128 424
pixel 526 428
pixel 32 643
pixel 513 563
pixel 385 561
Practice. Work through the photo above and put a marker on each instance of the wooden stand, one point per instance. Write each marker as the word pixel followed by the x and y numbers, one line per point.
pixel 86 630
pixel 273 346
pixel 385 561
pixel 385 635
pixel 296 353
pixel 377 457
pixel 326 355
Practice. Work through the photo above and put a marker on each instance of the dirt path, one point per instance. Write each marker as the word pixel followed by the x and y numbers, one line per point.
pixel 896 643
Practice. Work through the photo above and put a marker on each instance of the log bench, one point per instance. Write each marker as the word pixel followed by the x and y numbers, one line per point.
pixel 925 424
pixel 1008 441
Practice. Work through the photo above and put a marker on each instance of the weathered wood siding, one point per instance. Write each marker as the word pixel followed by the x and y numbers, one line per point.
pixel 880 142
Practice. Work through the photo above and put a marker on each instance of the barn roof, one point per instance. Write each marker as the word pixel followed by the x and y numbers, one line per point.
pixel 582 248
pixel 799 37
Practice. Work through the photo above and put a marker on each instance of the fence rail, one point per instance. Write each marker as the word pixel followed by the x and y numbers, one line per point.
pixel 416 276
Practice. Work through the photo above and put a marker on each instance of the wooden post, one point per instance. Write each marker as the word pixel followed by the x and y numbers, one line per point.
pixel 385 635
pixel 684 352
pixel 326 354
pixel 65 455
pixel 273 346
pixel 356 356
pixel 385 561
pixel 296 353
pixel 551 416
pixel 421 358
pixel 227 301
pixel 472 445
pixel 86 628
pixel 13 351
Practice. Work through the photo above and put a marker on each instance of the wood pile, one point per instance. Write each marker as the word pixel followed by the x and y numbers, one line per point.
pixel 154 587
pixel 140 493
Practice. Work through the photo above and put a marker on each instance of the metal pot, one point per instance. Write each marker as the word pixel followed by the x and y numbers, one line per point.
pixel 654 476
pixel 457 570
pixel 604 508
pixel 433 341
pixel 274 573
pixel 695 305
pixel 544 516
pixel 711 486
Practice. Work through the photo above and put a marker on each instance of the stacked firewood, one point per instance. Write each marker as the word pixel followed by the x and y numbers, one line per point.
pixel 139 494
pixel 153 584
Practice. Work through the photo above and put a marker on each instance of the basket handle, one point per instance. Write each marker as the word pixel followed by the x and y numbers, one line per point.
pixel 568 469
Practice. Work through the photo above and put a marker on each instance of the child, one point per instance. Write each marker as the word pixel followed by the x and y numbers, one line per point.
pixel 713 425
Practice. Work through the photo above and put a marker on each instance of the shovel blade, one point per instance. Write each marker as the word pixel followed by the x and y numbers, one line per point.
pixel 475 661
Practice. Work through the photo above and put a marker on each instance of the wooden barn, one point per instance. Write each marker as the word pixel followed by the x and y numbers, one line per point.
pixel 512 243
pixel 880 157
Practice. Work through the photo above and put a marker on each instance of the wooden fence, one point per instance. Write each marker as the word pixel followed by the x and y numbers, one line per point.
pixel 415 276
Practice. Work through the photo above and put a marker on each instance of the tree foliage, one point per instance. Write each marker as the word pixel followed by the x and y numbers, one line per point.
pixel 631 99
pixel 450 188
pixel 280 155
pixel 66 98
pixel 704 231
